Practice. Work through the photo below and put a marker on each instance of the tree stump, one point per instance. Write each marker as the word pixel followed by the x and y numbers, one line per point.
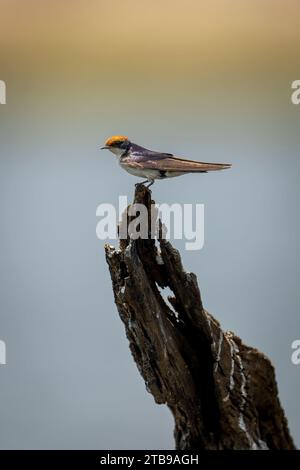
pixel 222 393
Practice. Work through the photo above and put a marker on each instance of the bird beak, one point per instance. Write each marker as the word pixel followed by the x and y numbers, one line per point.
pixel 104 148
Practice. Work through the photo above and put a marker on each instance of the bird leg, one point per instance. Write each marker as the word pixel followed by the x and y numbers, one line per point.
pixel 144 182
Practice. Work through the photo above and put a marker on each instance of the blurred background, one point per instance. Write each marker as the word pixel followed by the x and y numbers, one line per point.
pixel 208 80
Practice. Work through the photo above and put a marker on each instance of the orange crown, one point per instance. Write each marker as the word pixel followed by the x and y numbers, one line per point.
pixel 115 138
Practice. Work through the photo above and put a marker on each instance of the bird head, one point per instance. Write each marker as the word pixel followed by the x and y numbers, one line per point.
pixel 117 144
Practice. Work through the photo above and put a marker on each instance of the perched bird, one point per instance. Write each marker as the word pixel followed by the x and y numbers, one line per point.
pixel 151 165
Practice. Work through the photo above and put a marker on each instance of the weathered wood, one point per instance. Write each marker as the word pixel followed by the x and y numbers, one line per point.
pixel 222 393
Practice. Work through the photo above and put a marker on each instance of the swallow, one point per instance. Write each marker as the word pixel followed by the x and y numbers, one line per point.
pixel 139 161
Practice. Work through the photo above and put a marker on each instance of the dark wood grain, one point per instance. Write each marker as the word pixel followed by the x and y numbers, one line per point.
pixel 222 393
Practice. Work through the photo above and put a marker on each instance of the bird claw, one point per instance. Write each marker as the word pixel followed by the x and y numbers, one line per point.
pixel 143 183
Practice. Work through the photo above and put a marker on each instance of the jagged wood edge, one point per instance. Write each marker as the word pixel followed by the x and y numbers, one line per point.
pixel 222 393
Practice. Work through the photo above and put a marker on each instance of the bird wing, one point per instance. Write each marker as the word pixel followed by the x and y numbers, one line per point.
pixel 167 162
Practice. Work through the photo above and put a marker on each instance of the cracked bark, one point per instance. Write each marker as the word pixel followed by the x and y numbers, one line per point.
pixel 222 393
